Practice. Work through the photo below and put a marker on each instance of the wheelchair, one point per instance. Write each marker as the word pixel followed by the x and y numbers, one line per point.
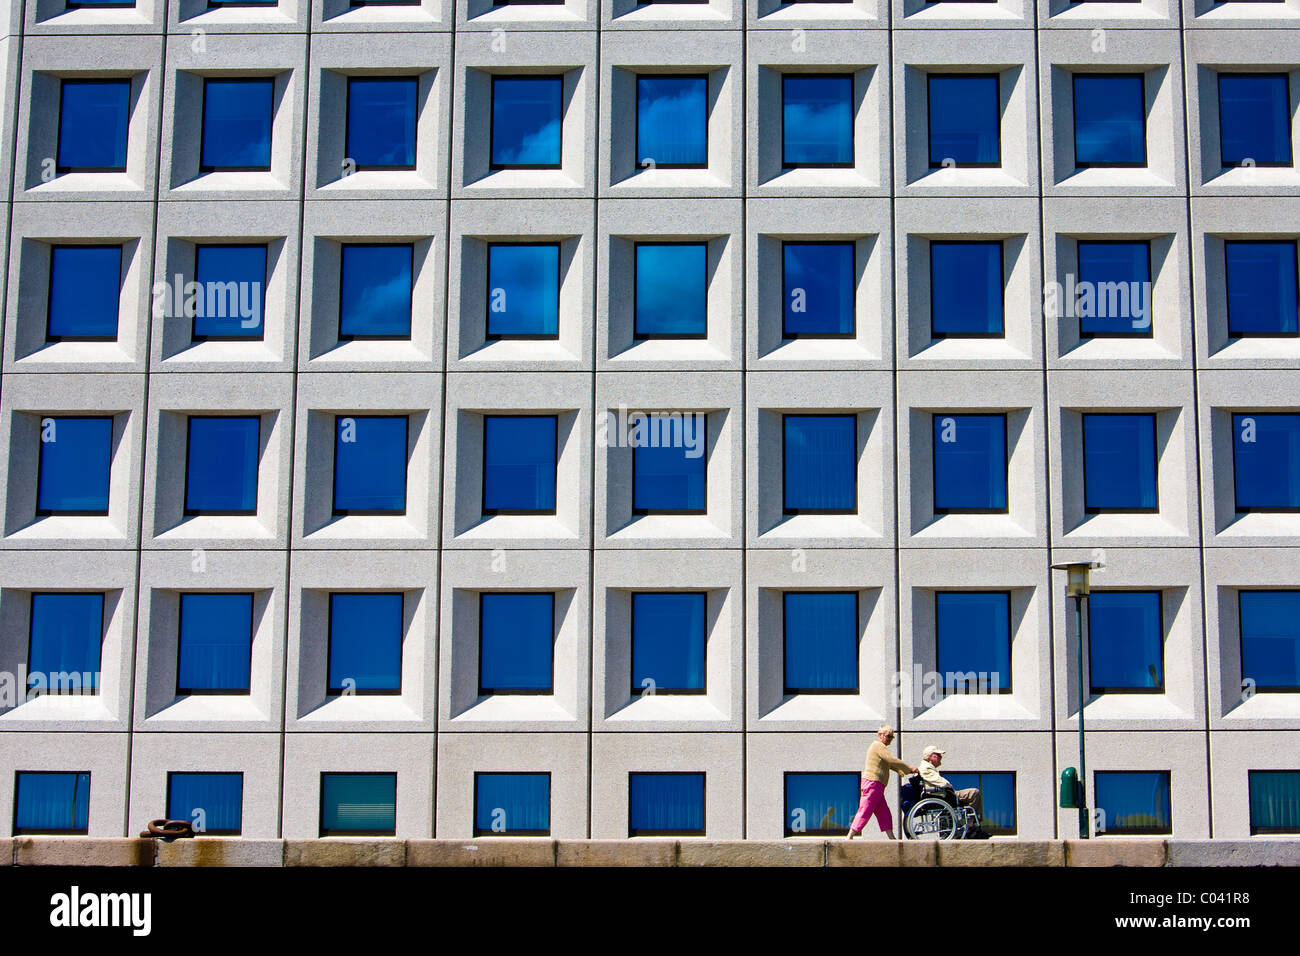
pixel 934 814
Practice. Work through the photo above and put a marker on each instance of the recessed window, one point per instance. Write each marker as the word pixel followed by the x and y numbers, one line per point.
pixel 358 804
pixel 74 461
pixel 53 804
pixel 998 794
pixel 370 464
pixel 512 804
pixel 1119 463
pixel 668 469
pixel 1114 288
pixel 672 285
pixel 526 122
pixel 216 641
pixel 668 642
pixel 1261 287
pixel 1126 647
pixel 67 631
pixel 375 291
pixel 85 285
pixel 816 121
pixel 236 124
pixel 818 281
pixel 1109 119
pixel 665 804
pixel 820 466
pixel 1270 640
pixel 365 651
pixel 821 642
pixel 1274 801
pixel 381 122
pixel 973 635
pixel 965 120
pixel 1254 119
pixel 820 804
pixel 965 289
pixel 99 4
pixel 519 457
pixel 516 652
pixel 672 121
pixel 523 291
pixel 1266 461
pixel 212 802
pixel 1133 801
pixel 221 465
pixel 93 125
pixel 231 300
pixel 970 463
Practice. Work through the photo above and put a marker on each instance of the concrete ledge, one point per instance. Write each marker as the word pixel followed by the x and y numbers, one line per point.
pixel 1001 853
pixel 1115 852
pixel 336 852
pixel 215 851
pixel 918 853
pixel 1234 853
pixel 616 853
pixel 864 853
pixel 9 848
pixel 84 851
pixel 751 853
pixel 490 852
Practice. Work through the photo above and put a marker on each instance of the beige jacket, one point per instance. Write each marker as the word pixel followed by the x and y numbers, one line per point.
pixel 932 777
pixel 880 762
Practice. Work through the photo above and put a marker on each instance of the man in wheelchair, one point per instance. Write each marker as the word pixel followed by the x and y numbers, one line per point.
pixel 932 808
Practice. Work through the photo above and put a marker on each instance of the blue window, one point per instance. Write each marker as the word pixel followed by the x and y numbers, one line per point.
pixel 100 4
pixel 821 642
pixel 51 803
pixel 1114 288
pixel 85 284
pixel 236 124
pixel 965 120
pixel 512 804
pixel 819 280
pixel 516 646
pixel 820 804
pixel 358 804
pixel 998 794
pixel 212 802
pixel 820 468
pixel 1270 639
pixel 1109 119
pixel 1119 463
pixel 232 292
pixel 668 642
pixel 1133 801
pixel 1126 642
pixel 672 290
pixel 970 463
pixel 973 636
pixel 370 464
pixel 1255 119
pixel 672 121
pixel 92 125
pixel 381 122
pixel 375 291
pixel 221 466
pixel 526 122
pixel 519 455
pixel 668 469
pixel 66 633
pixel 75 454
pixel 665 804
pixel 1274 801
pixel 1261 281
pixel 1266 461
pixel 523 292
pixel 365 643
pixel 216 643
pixel 816 120
pixel 965 289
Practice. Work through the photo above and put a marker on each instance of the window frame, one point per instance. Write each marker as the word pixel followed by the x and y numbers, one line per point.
pixel 853 139
pixel 208 831
pixel 786 334
pixel 1145 333
pixel 704 508
pixel 515 691
pixel 636 111
pixel 414 80
pixel 1136 831
pixel 330 692
pixel 1160 644
pixel 49 293
pixel 1255 829
pixel 704 803
pixel 337 512
pixel 636 257
pixel 493 165
pixel 342 336
pixel 25 831
pixel 1218 92
pixel 785 802
pixel 550 792
pixel 490 336
pixel 1009 689
pixel 1236 502
pixel 929 114
pixel 1006 465
pixel 1002 274
pixel 786 689
pixel 83 81
pixel 355 833
pixel 1241 641
pixel 40 465
pixel 638 690
pixel 493 512
pixel 197 338
pixel 1074 117
pixel 189 512
pixel 180 632
pixel 31 642
pixel 1155 464
pixel 1227 272
pixel 787 511
pixel 203 125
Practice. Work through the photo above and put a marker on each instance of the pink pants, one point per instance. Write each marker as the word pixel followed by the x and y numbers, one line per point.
pixel 873 804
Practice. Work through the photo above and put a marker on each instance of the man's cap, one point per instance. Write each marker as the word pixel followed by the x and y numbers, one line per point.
pixel 932 749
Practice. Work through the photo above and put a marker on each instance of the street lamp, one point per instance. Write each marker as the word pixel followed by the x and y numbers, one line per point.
pixel 1077 587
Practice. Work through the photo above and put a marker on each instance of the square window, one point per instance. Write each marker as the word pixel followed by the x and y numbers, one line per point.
pixel 1126 648
pixel 672 121
pixel 375 291
pixel 74 464
pixel 672 290
pixel 67 631
pixel 821 642
pixel 820 804
pixel 358 804
pixel 51 804
pixel 970 463
pixel 1254 119
pixel 965 120
pixel 1114 288
pixel 665 804
pixel 816 121
pixel 216 644
pixel 236 124
pixel 668 474
pixel 381 122
pixel 365 649
pixel 519 455
pixel 526 121
pixel 966 293
pixel 212 802
pixel 973 635
pixel 93 125
pixel 1261 287
pixel 370 464
pixel 523 290
pixel 1119 463
pixel 516 653
pixel 818 279
pixel 85 286
pixel 1133 801
pixel 1266 461
pixel 231 299
pixel 1274 801
pixel 998 793
pixel 1109 119
pixel 221 465
pixel 1270 640
pixel 512 804
pixel 668 643
pixel 820 467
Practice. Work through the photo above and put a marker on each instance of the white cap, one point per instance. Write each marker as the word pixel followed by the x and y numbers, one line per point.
pixel 932 749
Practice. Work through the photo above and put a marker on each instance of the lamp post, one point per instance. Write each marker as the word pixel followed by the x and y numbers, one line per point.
pixel 1077 587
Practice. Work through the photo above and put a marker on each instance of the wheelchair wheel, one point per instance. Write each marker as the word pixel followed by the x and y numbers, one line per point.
pixel 932 819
